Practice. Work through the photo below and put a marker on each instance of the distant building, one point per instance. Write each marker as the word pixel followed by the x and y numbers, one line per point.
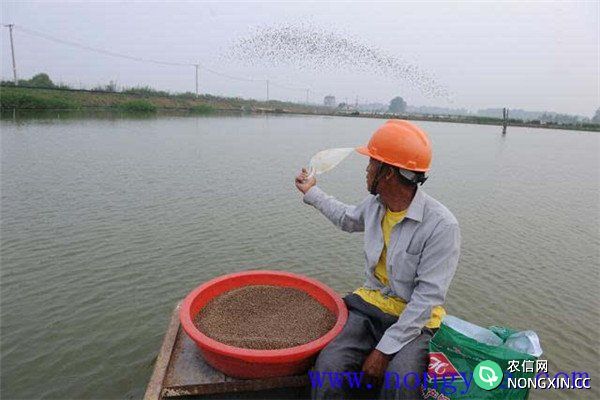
pixel 329 101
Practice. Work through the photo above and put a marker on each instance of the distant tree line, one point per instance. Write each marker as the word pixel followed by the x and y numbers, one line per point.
pixel 396 106
pixel 41 80
pixel 537 116
pixel 596 117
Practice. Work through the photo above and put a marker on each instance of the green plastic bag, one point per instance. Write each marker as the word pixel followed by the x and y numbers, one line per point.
pixel 453 357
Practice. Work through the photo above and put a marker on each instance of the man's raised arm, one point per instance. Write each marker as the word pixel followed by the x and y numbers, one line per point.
pixel 346 217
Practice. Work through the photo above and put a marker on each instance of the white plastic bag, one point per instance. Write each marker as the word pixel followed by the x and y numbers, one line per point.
pixel 326 160
pixel 473 331
pixel 525 342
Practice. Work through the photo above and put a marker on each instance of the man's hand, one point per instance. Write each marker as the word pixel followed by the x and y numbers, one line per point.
pixel 374 366
pixel 303 182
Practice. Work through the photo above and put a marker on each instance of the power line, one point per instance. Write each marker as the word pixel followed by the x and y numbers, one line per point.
pixel 98 50
pixel 128 57
pixel 159 62
pixel 288 87
pixel 237 78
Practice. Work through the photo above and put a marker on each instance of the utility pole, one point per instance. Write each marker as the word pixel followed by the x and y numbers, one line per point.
pixel 267 90
pixel 196 65
pixel 12 50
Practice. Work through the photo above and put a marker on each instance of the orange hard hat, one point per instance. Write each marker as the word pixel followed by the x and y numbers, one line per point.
pixel 400 143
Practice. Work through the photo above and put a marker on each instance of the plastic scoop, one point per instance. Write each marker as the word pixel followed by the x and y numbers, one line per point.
pixel 326 160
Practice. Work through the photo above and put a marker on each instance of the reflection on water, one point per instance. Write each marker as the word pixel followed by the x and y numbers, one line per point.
pixel 108 221
pixel 25 116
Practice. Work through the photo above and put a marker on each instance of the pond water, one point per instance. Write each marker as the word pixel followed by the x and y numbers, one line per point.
pixel 107 222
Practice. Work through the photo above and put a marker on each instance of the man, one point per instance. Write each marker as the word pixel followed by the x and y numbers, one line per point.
pixel 412 245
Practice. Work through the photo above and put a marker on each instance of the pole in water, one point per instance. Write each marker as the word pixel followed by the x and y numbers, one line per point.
pixel 504 120
pixel 267 90
pixel 196 65
pixel 12 51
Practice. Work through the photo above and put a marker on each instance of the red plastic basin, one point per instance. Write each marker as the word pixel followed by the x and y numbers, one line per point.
pixel 248 363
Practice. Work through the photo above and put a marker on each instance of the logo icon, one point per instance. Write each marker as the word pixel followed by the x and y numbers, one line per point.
pixel 488 375
pixel 441 367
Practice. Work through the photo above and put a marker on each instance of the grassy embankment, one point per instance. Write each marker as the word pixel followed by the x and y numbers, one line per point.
pixel 149 101
pixel 140 100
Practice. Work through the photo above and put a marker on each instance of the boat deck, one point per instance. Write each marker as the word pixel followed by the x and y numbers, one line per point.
pixel 180 371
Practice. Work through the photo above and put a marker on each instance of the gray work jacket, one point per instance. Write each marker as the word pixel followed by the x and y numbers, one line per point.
pixel 421 259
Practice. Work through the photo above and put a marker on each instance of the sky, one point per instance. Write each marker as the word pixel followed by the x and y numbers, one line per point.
pixel 536 55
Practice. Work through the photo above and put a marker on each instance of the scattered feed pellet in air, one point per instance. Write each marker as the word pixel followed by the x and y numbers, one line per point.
pixel 309 46
pixel 264 317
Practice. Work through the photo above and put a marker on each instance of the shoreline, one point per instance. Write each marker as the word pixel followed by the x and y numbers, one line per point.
pixel 19 99
pixel 460 120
